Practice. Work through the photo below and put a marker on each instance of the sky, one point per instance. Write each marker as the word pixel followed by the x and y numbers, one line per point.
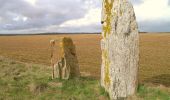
pixel 35 16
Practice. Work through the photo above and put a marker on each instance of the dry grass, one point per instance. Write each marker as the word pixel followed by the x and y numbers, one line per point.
pixel 154 53
pixel 22 81
pixel 155 58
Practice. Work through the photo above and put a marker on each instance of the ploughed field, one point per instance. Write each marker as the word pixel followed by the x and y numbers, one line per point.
pixel 154 53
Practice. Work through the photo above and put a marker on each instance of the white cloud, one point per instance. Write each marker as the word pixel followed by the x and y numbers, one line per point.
pixel 20 18
pixel 16 18
pixel 32 2
pixel 92 17
pixel 24 19
pixel 0 19
pixel 75 15
pixel 152 10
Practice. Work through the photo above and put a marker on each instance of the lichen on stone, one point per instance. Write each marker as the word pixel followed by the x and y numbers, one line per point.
pixel 108 10
pixel 66 42
pixel 107 27
pixel 107 65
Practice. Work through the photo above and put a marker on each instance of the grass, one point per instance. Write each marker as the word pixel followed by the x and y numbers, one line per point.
pixel 148 93
pixel 21 81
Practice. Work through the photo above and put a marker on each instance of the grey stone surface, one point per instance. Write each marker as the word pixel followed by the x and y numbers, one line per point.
pixel 120 49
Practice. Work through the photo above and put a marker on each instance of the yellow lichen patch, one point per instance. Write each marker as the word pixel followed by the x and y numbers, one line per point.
pixel 121 12
pixel 108 11
pixel 66 42
pixel 107 65
pixel 107 77
pixel 107 27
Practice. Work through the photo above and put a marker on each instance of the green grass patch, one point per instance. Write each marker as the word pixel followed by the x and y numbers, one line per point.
pixel 148 93
pixel 20 81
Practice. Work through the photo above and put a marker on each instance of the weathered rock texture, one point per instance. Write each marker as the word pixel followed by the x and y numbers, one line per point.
pixel 52 44
pixel 67 67
pixel 120 50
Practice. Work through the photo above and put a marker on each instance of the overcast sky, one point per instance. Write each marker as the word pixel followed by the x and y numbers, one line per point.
pixel 30 16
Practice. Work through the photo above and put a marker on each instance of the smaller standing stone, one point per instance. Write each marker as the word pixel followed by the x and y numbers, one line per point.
pixel 67 67
pixel 52 44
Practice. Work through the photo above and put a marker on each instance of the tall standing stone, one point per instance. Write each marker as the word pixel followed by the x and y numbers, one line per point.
pixel 120 49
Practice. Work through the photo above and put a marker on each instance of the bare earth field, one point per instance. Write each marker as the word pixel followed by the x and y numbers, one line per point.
pixel 154 53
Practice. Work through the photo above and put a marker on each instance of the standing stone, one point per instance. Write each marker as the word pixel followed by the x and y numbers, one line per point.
pixel 120 49
pixel 67 67
pixel 52 44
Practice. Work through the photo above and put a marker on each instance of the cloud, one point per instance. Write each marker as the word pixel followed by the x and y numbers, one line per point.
pixel 136 2
pixel 89 28
pixel 153 15
pixel 28 16
pixel 152 10
pixel 32 2
pixel 21 14
pixel 87 20
pixel 89 23
pixel 154 26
